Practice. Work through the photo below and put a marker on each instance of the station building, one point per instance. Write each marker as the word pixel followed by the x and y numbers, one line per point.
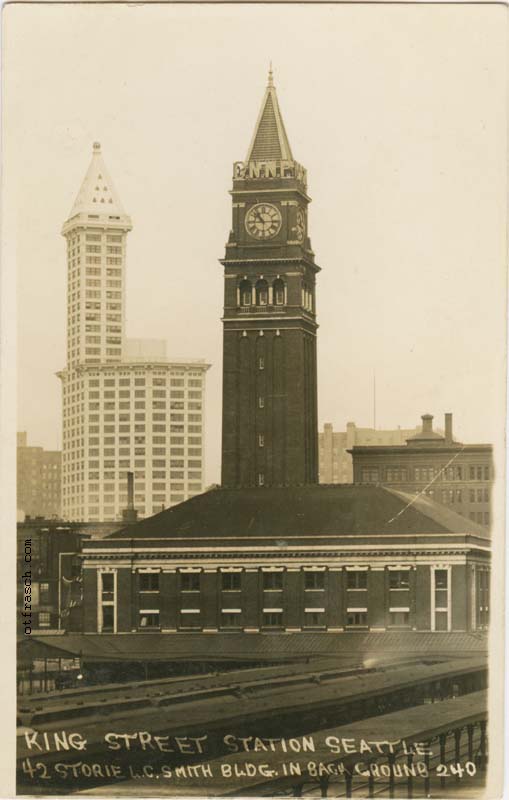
pixel 272 551
pixel 322 558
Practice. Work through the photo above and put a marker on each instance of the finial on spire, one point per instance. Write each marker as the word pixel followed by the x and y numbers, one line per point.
pixel 270 84
pixel 96 147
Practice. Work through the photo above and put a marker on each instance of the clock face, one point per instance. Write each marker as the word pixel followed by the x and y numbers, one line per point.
pixel 300 227
pixel 263 221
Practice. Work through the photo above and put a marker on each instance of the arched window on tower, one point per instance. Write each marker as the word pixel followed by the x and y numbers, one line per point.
pixel 245 293
pixel 262 293
pixel 279 292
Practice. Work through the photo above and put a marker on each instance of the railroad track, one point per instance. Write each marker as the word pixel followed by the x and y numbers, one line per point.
pixel 284 706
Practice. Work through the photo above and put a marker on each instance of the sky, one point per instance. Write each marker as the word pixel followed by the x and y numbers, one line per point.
pixel 398 113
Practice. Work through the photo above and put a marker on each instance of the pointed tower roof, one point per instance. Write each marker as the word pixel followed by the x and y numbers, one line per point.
pixel 269 141
pixel 97 195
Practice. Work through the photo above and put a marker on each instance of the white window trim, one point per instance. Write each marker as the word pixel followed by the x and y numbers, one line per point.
pixel 356 610
pixel 272 610
pixel 112 603
pixel 273 569
pixel 399 608
pixel 434 608
pixel 473 598
pixel 314 610
pixel 190 610
pixel 150 611
pixel 231 611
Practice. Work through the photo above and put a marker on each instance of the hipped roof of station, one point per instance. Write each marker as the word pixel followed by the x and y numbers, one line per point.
pixel 316 511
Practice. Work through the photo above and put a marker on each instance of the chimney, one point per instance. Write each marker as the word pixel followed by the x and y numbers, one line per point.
pixel 448 429
pixel 129 514
pixel 427 423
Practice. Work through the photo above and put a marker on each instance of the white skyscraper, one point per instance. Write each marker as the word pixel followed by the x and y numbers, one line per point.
pixel 125 406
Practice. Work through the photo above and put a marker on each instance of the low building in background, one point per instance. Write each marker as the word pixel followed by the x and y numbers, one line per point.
pixel 449 472
pixel 38 479
pixel 335 461
pixel 49 575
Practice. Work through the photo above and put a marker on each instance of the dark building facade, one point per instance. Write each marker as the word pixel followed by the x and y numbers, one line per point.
pixel 269 352
pixel 49 575
pixel 323 558
pixel 454 474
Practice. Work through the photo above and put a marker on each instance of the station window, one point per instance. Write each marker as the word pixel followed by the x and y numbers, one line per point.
pixel 272 580
pixel 399 617
pixel 314 618
pixel 399 579
pixel 149 581
pixel 231 618
pixel 357 579
pixel 230 581
pixel 149 619
pixel 190 581
pixel 272 618
pixel 483 588
pixel 107 591
pixel 357 617
pixel 108 619
pixel 190 618
pixel 314 580
pixel 441 599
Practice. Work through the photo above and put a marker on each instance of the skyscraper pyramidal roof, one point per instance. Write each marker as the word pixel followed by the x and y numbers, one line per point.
pixel 270 141
pixel 97 194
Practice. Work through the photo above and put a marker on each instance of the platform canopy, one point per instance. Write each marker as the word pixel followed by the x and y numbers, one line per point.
pixel 259 647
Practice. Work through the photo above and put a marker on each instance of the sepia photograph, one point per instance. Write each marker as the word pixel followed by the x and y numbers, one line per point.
pixel 255 258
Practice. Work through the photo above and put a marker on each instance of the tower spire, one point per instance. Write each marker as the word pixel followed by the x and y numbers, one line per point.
pixel 270 141
pixel 97 194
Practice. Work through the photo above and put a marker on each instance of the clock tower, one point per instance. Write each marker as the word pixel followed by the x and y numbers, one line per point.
pixel 270 426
